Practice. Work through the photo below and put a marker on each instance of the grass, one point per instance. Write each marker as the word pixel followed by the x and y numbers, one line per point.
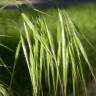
pixel 69 41
pixel 4 91
pixel 49 55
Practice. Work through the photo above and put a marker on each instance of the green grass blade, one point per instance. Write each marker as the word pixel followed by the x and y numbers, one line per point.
pixel 63 50
pixel 73 68
pixel 24 50
pixel 5 36
pixel 41 66
pixel 6 47
pixel 15 62
pixel 33 66
pixel 48 72
pixel 85 56
pixel 80 66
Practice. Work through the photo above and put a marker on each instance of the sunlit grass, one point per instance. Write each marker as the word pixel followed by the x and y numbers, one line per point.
pixel 68 44
pixel 51 59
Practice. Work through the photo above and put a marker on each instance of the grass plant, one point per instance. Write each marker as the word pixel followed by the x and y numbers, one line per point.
pixel 58 58
pixel 54 62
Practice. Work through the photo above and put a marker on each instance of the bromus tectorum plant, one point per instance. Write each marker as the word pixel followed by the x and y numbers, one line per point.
pixel 49 61
pixel 54 62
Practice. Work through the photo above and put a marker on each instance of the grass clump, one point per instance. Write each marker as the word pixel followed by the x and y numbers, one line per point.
pixel 54 60
pixel 49 60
